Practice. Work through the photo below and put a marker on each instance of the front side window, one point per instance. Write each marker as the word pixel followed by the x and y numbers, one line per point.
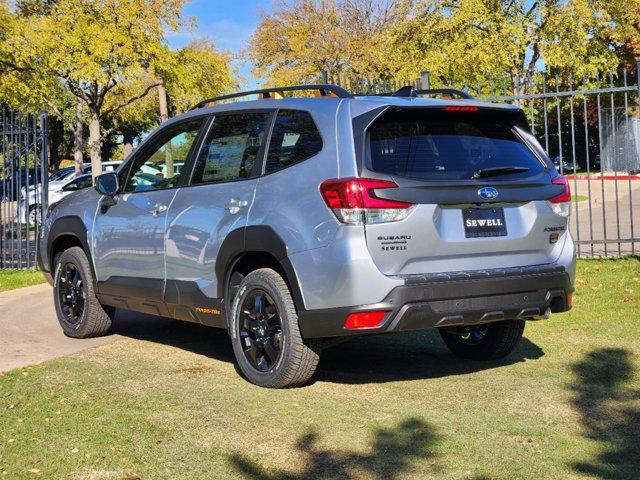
pixel 159 166
pixel 295 138
pixel 231 148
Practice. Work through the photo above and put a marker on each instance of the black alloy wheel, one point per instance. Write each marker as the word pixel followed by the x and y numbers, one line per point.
pixel 71 293
pixel 261 332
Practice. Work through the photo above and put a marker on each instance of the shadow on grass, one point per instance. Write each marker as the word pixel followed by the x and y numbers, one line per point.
pixel 406 356
pixel 392 452
pixel 607 413
pixel 368 359
pixel 193 337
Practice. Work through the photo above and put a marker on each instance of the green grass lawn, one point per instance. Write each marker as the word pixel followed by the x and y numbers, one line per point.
pixel 10 279
pixel 166 403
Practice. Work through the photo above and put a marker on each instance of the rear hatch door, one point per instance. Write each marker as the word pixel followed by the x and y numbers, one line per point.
pixel 479 183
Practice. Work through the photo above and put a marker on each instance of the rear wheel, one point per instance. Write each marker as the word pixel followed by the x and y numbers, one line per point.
pixel 79 312
pixel 490 341
pixel 267 343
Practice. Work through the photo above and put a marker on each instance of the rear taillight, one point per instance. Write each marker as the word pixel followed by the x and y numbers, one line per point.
pixel 353 200
pixel 561 205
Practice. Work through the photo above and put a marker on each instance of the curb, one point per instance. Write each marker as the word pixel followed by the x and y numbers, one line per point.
pixel 604 177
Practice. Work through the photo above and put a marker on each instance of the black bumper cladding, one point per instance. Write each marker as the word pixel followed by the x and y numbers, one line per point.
pixel 455 299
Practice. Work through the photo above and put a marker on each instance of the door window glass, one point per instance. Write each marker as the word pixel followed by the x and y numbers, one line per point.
pixel 295 138
pixel 231 148
pixel 159 166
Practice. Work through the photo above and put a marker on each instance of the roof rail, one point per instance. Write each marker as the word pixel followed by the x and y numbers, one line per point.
pixel 321 89
pixel 408 91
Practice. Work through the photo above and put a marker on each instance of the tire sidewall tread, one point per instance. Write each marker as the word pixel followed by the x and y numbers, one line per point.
pixel 96 319
pixel 502 338
pixel 299 358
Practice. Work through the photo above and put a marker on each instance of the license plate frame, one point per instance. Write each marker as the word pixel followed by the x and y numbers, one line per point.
pixel 484 222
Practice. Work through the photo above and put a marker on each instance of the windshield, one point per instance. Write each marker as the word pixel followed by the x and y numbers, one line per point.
pixel 59 174
pixel 437 145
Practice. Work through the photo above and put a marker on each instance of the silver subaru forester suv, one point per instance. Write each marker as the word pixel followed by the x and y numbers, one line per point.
pixel 289 221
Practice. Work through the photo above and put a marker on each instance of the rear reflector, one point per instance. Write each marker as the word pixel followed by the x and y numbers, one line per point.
pixel 364 320
pixel 354 201
pixel 460 108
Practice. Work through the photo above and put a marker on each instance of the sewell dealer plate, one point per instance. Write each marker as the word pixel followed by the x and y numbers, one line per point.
pixel 484 222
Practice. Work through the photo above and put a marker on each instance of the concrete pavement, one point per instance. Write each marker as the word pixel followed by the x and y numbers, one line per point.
pixel 29 330
pixel 30 333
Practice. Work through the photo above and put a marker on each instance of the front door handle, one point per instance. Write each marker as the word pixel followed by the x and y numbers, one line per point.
pixel 158 209
pixel 235 205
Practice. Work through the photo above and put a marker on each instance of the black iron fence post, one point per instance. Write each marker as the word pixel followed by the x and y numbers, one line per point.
pixel 23 186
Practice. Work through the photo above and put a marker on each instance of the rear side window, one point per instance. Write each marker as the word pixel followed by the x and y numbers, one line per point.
pixel 437 145
pixel 295 138
pixel 231 148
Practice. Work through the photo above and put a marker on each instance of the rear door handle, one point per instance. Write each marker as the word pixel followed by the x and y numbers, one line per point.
pixel 235 205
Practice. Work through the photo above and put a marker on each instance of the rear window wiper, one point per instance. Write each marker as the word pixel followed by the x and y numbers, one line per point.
pixel 495 171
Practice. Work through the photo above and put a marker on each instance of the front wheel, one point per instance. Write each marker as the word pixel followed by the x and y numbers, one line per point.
pixel 79 312
pixel 267 343
pixel 490 341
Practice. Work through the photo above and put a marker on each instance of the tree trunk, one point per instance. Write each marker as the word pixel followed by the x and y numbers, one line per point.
pixel 164 116
pixel 55 139
pixel 94 143
pixel 78 140
pixel 127 144
pixel 162 100
pixel 518 87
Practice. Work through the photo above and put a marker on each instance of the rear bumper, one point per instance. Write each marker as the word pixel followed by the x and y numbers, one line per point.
pixel 460 298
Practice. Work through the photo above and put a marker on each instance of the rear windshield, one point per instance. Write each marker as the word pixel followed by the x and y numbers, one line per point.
pixel 437 145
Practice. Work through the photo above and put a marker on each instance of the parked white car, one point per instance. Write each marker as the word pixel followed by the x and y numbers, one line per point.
pixel 57 181
pixel 29 211
pixel 60 177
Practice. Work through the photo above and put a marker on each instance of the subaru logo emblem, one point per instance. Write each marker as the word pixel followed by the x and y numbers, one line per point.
pixel 488 193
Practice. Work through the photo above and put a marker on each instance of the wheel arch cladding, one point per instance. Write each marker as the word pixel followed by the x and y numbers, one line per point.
pixel 260 243
pixel 68 232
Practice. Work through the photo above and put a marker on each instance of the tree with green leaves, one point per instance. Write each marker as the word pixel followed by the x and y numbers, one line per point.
pixel 458 41
pixel 466 41
pixel 92 48
pixel 299 39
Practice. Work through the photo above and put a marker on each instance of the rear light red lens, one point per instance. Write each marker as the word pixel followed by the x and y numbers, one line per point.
pixel 357 193
pixel 570 299
pixel 564 196
pixel 460 108
pixel 365 319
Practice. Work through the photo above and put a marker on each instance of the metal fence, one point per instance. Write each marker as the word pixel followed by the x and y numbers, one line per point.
pixel 23 186
pixel 591 129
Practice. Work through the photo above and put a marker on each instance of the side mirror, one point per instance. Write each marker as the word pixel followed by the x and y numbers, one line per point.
pixel 107 184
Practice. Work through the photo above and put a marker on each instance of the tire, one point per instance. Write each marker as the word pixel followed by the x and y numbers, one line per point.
pixel 493 340
pixel 91 319
pixel 34 215
pixel 267 343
